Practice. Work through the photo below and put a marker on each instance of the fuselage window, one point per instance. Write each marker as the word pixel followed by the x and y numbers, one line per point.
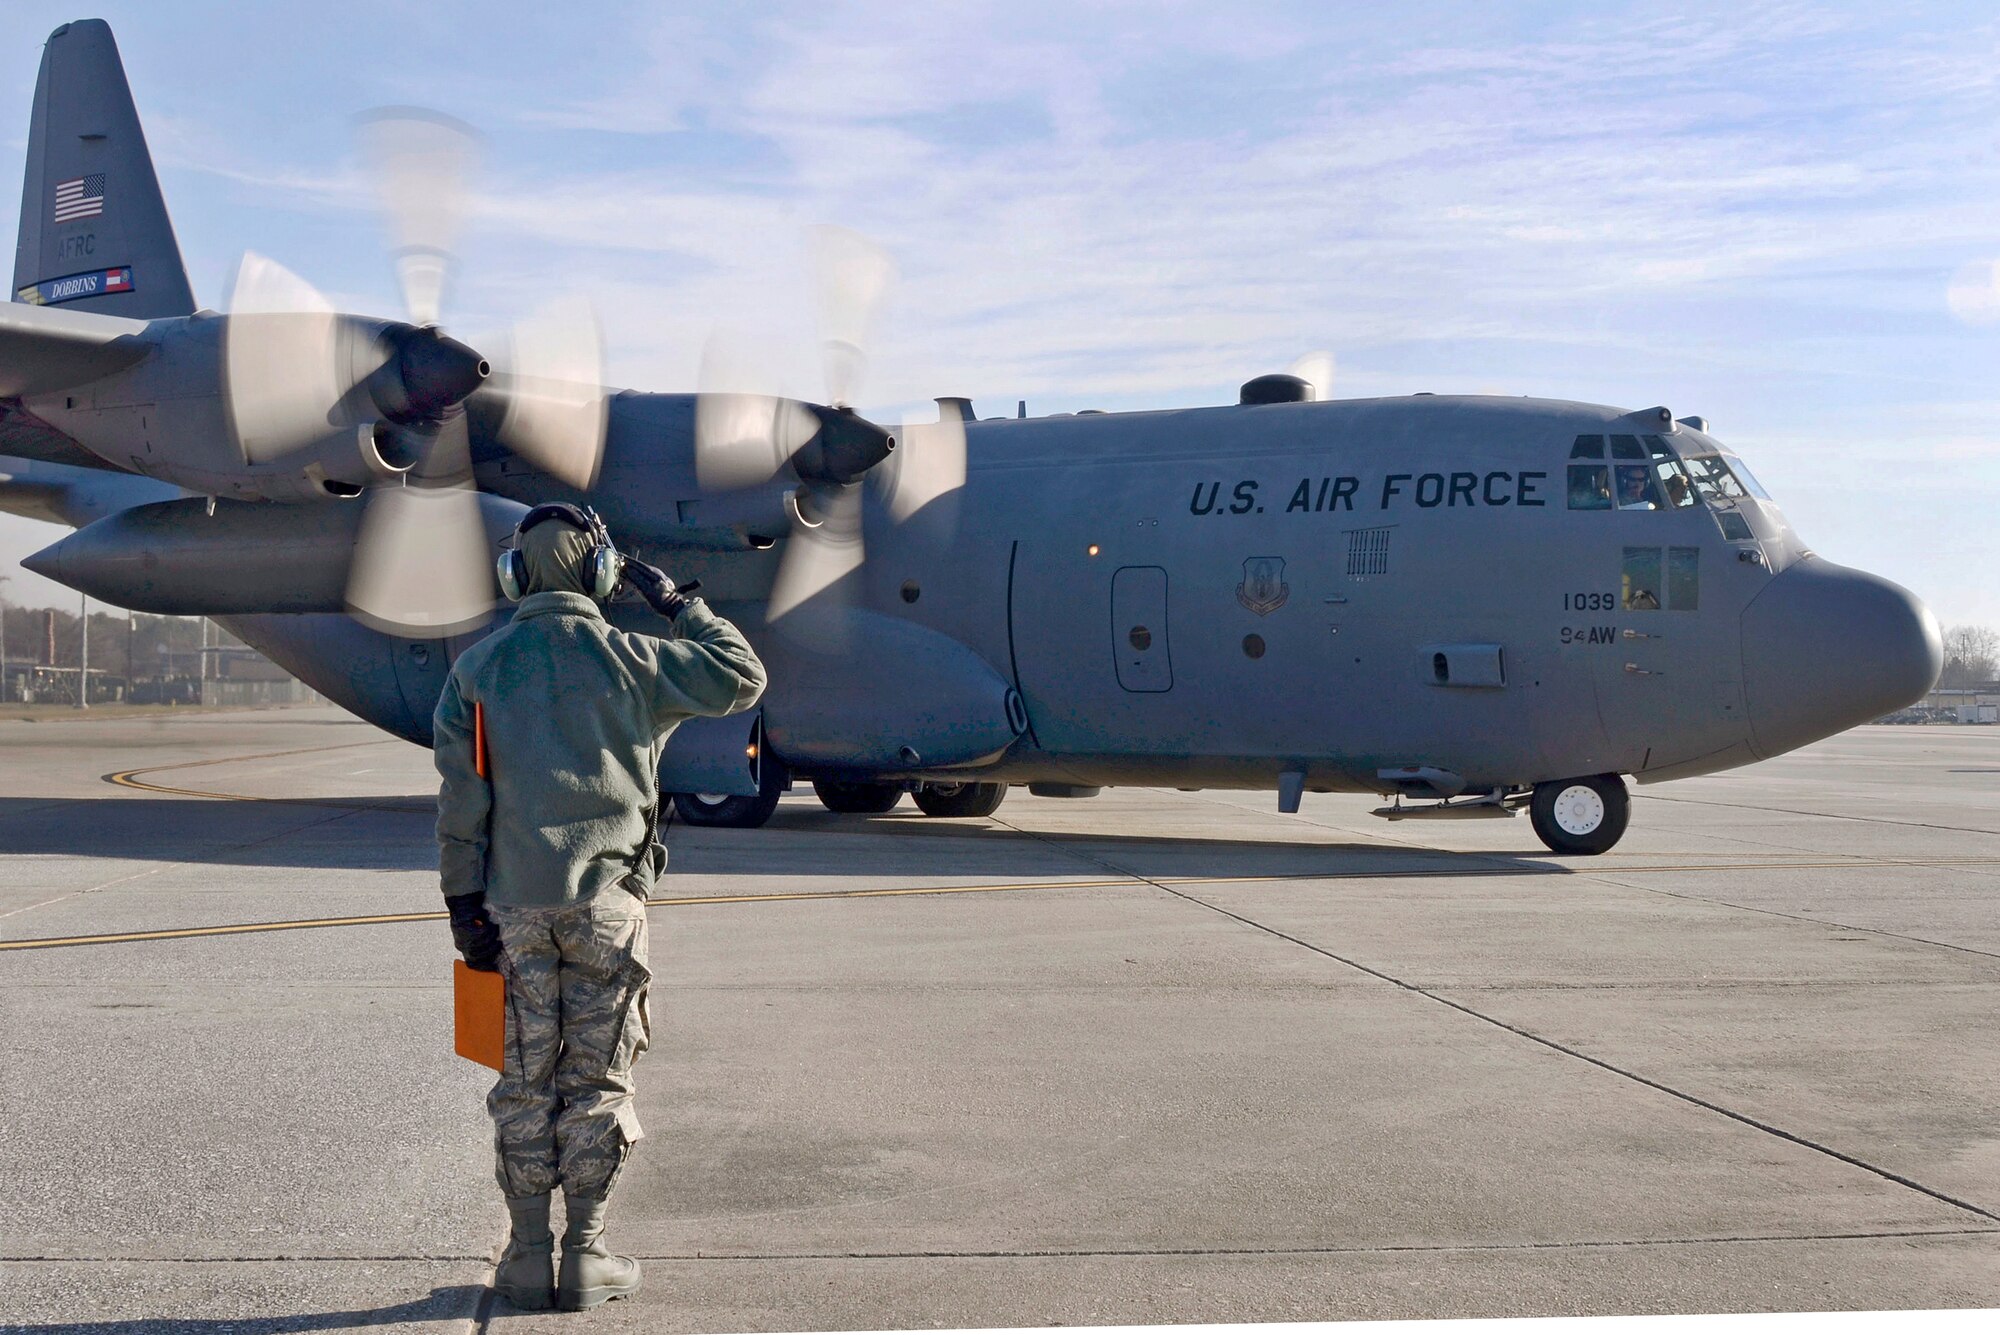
pixel 1589 487
pixel 1626 447
pixel 1641 591
pixel 1587 447
pixel 1734 526
pixel 1684 579
pixel 1635 488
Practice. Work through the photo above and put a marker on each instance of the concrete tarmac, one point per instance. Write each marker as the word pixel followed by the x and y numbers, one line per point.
pixel 1152 1057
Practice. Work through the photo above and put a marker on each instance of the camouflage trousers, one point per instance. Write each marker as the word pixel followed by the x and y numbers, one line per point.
pixel 576 1023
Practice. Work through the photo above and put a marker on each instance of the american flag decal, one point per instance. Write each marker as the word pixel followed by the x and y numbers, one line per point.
pixel 80 198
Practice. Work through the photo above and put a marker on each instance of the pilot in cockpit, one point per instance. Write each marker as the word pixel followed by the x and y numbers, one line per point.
pixel 1635 491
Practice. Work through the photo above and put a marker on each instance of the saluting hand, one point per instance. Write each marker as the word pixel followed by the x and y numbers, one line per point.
pixel 654 586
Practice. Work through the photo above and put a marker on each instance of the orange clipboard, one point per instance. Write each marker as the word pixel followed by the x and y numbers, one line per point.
pixel 478 1014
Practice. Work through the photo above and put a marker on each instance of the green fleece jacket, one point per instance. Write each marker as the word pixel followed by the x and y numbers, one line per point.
pixel 576 714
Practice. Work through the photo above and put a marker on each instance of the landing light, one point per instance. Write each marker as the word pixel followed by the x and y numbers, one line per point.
pixel 1092 549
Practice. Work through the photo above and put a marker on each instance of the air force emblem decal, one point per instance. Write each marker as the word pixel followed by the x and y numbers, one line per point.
pixel 1263 589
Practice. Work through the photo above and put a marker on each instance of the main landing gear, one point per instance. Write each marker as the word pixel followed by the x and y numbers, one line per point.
pixel 858 799
pixel 736 813
pixel 1581 815
pixel 960 799
pixel 864 798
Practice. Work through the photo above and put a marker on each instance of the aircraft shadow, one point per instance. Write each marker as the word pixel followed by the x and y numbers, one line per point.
pixel 395 834
pixel 443 1303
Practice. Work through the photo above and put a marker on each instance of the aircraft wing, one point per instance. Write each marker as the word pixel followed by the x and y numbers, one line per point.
pixel 44 348
pixel 59 494
pixel 26 436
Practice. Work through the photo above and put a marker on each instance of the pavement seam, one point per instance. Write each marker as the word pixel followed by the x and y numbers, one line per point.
pixel 1607 875
pixel 1683 1095
pixel 1034 1253
pixel 1611 878
pixel 1551 1044
pixel 1822 815
pixel 1377 1250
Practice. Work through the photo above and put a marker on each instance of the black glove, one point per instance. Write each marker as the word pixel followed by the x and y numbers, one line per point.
pixel 654 586
pixel 473 932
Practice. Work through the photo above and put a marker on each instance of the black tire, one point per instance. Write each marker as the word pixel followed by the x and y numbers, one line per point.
pixel 735 813
pixel 1585 815
pixel 959 799
pixel 858 798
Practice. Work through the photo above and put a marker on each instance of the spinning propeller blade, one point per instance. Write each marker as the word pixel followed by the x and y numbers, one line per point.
pixel 290 364
pixel 851 276
pixel 556 409
pixel 745 438
pixel 742 438
pixel 1316 369
pixel 423 563
pixel 421 163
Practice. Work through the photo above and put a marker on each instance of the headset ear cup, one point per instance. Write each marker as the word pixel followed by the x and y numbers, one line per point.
pixel 508 568
pixel 605 568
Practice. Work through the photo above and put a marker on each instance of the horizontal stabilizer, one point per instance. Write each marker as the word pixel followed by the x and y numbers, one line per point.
pixel 43 350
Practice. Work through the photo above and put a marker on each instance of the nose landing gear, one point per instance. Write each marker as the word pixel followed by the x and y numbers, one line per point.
pixel 1586 815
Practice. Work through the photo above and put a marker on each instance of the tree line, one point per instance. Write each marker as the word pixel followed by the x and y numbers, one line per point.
pixel 127 645
pixel 1971 657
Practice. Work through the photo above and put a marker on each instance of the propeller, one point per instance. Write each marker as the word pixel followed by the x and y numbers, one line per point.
pixel 1316 369
pixel 746 439
pixel 296 372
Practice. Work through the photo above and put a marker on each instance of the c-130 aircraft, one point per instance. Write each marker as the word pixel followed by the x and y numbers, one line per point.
pixel 1471 605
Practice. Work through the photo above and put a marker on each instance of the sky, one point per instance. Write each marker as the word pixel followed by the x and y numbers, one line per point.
pixel 1781 217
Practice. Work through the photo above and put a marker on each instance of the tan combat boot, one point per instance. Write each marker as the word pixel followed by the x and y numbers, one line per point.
pixel 590 1274
pixel 526 1276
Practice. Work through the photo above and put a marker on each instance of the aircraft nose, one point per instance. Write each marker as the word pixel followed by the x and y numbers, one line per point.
pixel 1825 648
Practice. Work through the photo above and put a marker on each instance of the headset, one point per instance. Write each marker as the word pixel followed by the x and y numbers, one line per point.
pixel 603 567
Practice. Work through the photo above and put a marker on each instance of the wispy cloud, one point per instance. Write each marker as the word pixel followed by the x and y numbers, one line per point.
pixel 1754 213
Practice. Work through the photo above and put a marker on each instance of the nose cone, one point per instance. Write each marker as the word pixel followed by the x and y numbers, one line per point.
pixel 1825 648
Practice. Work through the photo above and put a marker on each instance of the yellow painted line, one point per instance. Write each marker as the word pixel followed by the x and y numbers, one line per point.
pixel 801 896
pixel 296 924
pixel 130 779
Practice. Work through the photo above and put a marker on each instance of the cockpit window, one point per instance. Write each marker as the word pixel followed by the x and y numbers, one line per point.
pixel 1755 487
pixel 1635 487
pixel 1626 447
pixel 1589 487
pixel 1713 482
pixel 1673 483
pixel 1587 447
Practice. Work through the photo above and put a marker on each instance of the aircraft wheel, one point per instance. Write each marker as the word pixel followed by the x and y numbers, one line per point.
pixel 1586 815
pixel 733 812
pixel 858 799
pixel 960 799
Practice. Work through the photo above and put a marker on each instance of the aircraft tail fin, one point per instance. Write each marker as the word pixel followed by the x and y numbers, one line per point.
pixel 95 234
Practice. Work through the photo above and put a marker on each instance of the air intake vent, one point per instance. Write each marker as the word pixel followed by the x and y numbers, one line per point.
pixel 1367 552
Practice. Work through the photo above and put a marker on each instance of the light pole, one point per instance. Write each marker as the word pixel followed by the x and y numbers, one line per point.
pixel 83 654
pixel 3 640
